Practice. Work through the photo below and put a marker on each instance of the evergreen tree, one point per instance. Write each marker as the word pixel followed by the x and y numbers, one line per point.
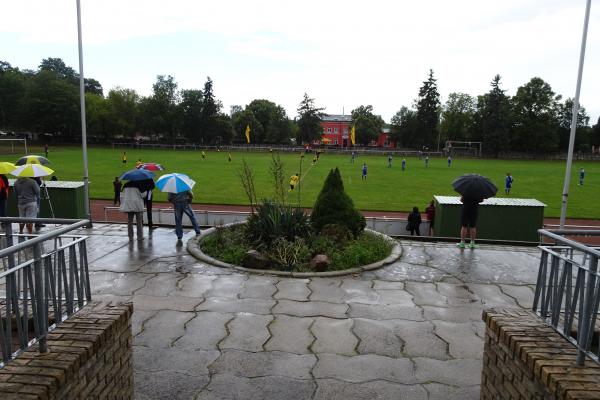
pixel 428 113
pixel 495 119
pixel 334 206
pixel 309 120
pixel 210 112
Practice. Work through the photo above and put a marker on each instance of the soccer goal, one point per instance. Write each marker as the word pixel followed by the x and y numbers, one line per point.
pixel 455 147
pixel 13 146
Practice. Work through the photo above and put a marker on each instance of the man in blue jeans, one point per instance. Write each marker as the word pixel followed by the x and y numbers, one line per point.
pixel 181 204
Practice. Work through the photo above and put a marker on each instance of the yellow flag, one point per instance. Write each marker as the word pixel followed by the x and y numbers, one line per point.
pixel 248 133
pixel 353 135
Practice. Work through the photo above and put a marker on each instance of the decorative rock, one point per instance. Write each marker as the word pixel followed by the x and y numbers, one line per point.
pixel 320 263
pixel 255 260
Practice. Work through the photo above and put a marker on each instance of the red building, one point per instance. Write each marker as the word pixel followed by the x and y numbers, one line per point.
pixel 336 132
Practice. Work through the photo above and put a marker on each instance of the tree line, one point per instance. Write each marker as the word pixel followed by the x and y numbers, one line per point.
pixel 534 120
pixel 46 100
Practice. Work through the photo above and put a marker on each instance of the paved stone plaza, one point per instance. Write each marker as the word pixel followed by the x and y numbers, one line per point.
pixel 411 330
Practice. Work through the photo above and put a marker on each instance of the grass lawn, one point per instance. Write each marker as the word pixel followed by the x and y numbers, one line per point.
pixel 387 189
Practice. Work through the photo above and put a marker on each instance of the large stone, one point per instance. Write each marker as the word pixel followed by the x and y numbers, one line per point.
pixel 255 260
pixel 320 263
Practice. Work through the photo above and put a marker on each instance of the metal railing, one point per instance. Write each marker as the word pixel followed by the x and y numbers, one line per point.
pixel 44 279
pixel 567 292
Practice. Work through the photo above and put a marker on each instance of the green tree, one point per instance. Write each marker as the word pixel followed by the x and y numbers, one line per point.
pixel 97 114
pixel 159 112
pixel 582 135
pixel 123 111
pixel 241 120
pixel 309 120
pixel 493 119
pixel 334 206
pixel 368 126
pixel 428 112
pixel 223 129
pixel 595 134
pixel 536 117
pixel 12 91
pixel 404 127
pixel 58 66
pixel 191 113
pixel 273 119
pixel 210 111
pixel 457 117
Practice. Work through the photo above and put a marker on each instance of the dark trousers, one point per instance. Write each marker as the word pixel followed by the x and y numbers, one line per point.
pixel 414 229
pixel 117 199
pixel 148 204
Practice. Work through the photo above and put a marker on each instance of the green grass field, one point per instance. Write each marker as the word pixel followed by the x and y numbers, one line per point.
pixel 387 189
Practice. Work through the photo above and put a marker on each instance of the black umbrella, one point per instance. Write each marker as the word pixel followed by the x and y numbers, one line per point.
pixel 474 186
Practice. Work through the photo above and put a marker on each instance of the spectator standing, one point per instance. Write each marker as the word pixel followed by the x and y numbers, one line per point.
pixel 146 186
pixel 414 222
pixel 27 192
pixel 117 186
pixel 181 205
pixel 4 186
pixel 46 149
pixel 468 221
pixel 133 205
pixel 508 181
pixel 581 176
pixel 430 212
pixel 38 180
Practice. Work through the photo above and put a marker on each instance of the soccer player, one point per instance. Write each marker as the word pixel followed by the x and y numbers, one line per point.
pixel 229 156
pixel 449 161
pixel 138 163
pixel 390 160
pixel 426 161
pixel 581 176
pixel 294 181
pixel 203 155
pixel 364 172
pixel 353 157
pixel 403 164
pixel 124 158
pixel 508 181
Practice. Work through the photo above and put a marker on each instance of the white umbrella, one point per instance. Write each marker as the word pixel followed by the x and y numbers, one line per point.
pixel 175 183
pixel 32 171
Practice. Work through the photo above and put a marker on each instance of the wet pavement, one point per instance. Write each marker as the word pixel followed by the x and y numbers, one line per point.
pixel 411 330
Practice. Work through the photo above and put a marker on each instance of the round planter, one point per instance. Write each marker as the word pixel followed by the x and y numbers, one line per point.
pixel 193 247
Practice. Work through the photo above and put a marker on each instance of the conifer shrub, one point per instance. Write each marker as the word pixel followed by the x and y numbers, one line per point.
pixel 334 206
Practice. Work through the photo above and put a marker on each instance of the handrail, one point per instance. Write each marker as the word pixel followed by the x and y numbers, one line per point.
pixel 570 242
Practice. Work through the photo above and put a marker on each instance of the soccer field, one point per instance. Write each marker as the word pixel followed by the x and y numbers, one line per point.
pixel 387 189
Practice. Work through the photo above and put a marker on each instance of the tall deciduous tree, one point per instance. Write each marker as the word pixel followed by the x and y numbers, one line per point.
pixel 582 133
pixel 536 117
pixel 124 111
pixel 494 119
pixel 457 117
pixel 309 120
pixel 273 119
pixel 367 125
pixel 404 127
pixel 191 114
pixel 428 112
pixel 595 135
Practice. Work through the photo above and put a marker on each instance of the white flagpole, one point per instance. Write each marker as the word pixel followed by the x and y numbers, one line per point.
pixel 86 188
pixel 575 111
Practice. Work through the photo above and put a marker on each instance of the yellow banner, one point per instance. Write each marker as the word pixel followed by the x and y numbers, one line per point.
pixel 353 135
pixel 248 133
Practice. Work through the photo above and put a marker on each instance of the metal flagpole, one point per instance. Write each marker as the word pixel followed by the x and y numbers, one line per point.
pixel 575 111
pixel 86 188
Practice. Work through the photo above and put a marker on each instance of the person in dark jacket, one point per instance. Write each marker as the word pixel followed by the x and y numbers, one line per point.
pixel 430 213
pixel 4 186
pixel 117 186
pixel 414 221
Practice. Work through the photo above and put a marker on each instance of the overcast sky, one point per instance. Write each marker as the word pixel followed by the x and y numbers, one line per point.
pixel 342 53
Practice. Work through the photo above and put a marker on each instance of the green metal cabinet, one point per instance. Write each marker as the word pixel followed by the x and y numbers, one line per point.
pixel 499 218
pixel 67 197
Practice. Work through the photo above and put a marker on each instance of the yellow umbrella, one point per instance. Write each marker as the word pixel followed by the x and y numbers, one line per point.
pixel 6 167
pixel 32 171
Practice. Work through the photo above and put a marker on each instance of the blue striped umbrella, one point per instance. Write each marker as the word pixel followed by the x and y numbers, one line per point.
pixel 175 183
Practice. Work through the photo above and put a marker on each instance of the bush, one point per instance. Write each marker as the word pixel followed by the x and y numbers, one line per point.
pixel 227 244
pixel 273 221
pixel 338 233
pixel 366 249
pixel 334 206
pixel 288 254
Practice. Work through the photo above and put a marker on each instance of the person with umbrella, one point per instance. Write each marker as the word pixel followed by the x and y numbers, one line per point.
pixel 5 168
pixel 133 202
pixel 474 189
pixel 147 187
pixel 179 189
pixel 27 192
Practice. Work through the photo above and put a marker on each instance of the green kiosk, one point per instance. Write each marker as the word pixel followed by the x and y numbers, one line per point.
pixel 67 199
pixel 499 218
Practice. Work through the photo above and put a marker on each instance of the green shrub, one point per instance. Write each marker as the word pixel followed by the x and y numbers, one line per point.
pixel 227 244
pixel 322 245
pixel 366 249
pixel 338 233
pixel 288 254
pixel 273 221
pixel 334 206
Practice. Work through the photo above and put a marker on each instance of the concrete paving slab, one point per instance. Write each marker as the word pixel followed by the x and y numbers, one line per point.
pixel 162 329
pixel 291 334
pixel 521 294
pixel 437 391
pixel 310 309
pixel 462 338
pixel 292 289
pixel 231 387
pixel 167 385
pixel 385 311
pixel 377 337
pixel 227 305
pixel 247 332
pixel 259 287
pixel 160 284
pixel 194 285
pixel 359 291
pixel 227 286
pixel 265 363
pixel 331 389
pixel 364 368
pixel 450 372
pixel 175 303
pixel 420 340
pixel 453 314
pixel 204 331
pixel 117 283
pixel 327 290
pixel 191 362
pixel 333 336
